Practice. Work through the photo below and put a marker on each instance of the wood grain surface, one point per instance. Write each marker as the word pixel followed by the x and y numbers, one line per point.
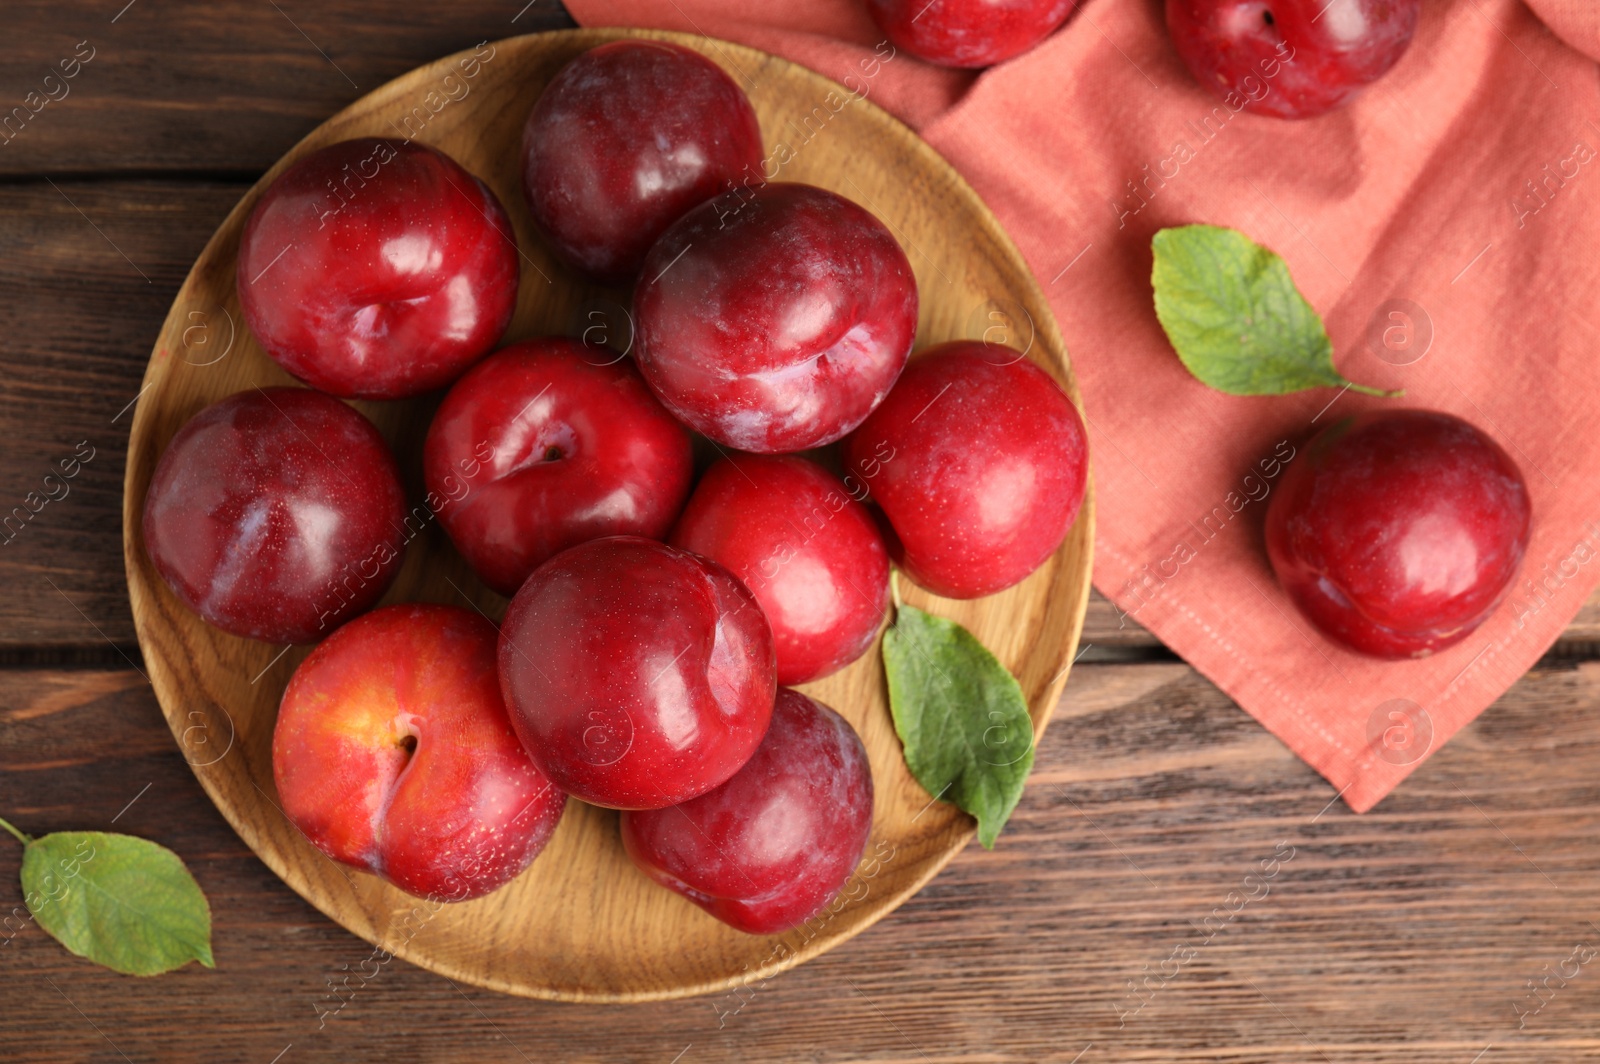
pixel 1407 935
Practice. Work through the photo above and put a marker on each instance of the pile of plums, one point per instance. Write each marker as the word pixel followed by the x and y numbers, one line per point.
pixel 1286 58
pixel 653 613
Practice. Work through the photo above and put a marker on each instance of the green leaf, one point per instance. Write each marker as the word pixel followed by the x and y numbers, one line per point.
pixel 1235 317
pixel 960 715
pixel 122 902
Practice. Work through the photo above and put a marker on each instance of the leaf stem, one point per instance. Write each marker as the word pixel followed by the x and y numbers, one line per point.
pixel 894 589
pixel 1379 392
pixel 26 840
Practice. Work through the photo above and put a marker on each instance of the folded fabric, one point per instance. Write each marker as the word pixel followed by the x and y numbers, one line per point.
pixel 1575 21
pixel 1461 192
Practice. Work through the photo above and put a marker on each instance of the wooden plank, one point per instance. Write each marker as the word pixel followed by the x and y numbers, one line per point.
pixel 90 268
pixel 173 87
pixel 1407 935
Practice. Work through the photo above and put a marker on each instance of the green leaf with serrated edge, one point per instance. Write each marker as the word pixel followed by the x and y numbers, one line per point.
pixel 960 716
pixel 1235 317
pixel 125 903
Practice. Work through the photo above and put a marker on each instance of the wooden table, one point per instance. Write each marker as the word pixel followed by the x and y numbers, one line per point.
pixel 1428 930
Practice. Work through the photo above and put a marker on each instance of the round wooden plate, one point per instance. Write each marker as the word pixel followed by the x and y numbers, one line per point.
pixel 582 924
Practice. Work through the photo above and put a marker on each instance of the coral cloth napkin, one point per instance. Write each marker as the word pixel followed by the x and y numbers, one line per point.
pixel 1444 225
